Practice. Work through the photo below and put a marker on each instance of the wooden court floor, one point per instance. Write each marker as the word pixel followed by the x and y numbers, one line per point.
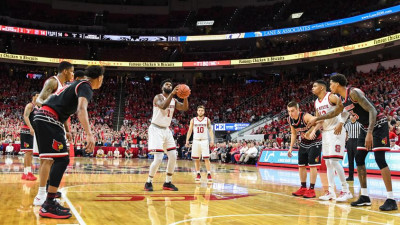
pixel 108 191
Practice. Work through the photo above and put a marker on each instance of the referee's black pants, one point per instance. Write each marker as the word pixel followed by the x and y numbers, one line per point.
pixel 351 146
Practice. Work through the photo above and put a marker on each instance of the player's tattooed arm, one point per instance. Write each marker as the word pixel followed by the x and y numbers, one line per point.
pixel 161 103
pixel 339 108
pixel 49 87
pixel 182 106
pixel 358 96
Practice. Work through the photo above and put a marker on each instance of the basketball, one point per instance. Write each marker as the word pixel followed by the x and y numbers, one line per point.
pixel 183 91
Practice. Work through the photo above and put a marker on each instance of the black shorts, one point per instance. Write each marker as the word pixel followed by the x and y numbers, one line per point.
pixel 26 140
pixel 310 154
pixel 50 136
pixel 380 137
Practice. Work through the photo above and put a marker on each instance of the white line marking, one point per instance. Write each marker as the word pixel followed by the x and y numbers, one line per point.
pixel 358 208
pixel 72 207
pixel 283 215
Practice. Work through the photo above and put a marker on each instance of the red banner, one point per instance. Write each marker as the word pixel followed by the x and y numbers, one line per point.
pixel 207 63
pixel 22 30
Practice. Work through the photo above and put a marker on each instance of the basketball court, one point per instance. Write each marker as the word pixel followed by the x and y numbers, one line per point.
pixel 110 191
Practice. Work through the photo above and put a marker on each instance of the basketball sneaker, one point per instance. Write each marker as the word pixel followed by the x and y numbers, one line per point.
pixel 310 193
pixel 30 176
pixel 209 178
pixel 169 186
pixel 328 196
pixel 344 196
pixel 300 192
pixel 65 209
pixel 23 176
pixel 390 204
pixel 362 201
pixel 39 200
pixel 148 186
pixel 50 210
pixel 198 177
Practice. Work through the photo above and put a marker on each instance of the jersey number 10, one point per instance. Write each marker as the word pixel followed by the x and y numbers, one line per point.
pixel 200 129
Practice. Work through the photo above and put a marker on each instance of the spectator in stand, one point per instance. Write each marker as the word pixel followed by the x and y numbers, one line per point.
pixel 187 152
pixel 99 142
pixel 100 153
pixel 110 154
pixel 249 154
pixel 10 149
pixel 393 138
pixel 128 153
pixel 214 152
pixel 236 156
pixel 117 153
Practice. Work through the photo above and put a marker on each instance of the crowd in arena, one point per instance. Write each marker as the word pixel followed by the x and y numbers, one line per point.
pixel 236 102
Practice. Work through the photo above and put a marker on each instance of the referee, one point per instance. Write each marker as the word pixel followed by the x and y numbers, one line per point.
pixel 353 130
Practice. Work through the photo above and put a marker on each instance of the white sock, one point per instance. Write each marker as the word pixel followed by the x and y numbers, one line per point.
pixel 208 172
pixel 149 180
pixel 340 172
pixel 198 171
pixel 42 191
pixel 364 191
pixel 25 172
pixel 28 170
pixel 390 195
pixel 168 179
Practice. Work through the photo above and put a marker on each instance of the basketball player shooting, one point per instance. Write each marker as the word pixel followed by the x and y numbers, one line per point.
pixel 160 136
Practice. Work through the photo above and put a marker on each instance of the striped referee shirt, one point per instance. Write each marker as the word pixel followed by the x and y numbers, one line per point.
pixel 353 129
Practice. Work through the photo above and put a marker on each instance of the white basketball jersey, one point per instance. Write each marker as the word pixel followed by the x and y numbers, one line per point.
pixel 200 128
pixel 60 86
pixel 163 117
pixel 323 107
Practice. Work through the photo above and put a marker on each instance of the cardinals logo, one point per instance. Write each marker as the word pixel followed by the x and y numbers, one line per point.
pixel 384 141
pixel 57 145
pixel 26 145
pixel 317 159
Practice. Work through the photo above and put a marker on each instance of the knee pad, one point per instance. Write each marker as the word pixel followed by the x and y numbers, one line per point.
pixel 158 157
pixel 360 157
pixel 171 155
pixel 57 170
pixel 380 159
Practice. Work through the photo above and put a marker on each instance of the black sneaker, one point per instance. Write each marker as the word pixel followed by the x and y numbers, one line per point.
pixel 169 186
pixel 390 204
pixel 350 179
pixel 362 201
pixel 53 211
pixel 61 207
pixel 148 186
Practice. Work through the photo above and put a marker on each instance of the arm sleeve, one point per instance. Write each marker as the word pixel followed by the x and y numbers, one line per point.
pixel 84 90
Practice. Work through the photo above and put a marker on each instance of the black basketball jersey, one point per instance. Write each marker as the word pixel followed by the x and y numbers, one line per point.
pixel 356 109
pixel 301 128
pixel 65 101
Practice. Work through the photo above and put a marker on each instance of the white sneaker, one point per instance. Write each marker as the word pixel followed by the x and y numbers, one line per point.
pixel 39 200
pixel 344 196
pixel 328 196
